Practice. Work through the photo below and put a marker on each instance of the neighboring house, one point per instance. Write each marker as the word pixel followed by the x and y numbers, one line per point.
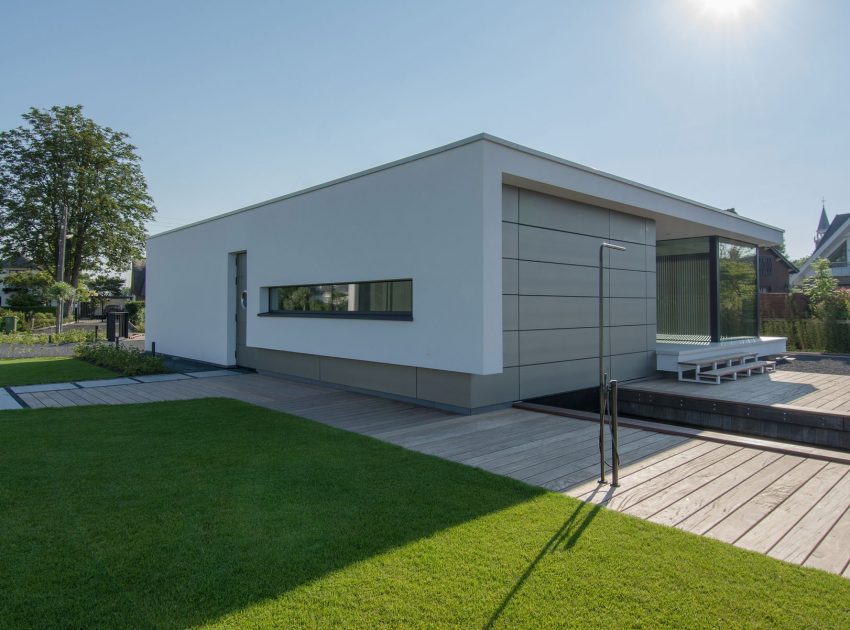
pixel 9 267
pixel 831 243
pixel 464 277
pixel 775 271
pixel 137 279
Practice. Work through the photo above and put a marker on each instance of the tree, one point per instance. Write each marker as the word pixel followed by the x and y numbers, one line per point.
pixel 30 289
pixel 103 287
pixel 58 162
pixel 822 290
pixel 799 262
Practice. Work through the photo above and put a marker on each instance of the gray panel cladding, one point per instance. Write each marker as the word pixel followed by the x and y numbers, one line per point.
pixel 550 287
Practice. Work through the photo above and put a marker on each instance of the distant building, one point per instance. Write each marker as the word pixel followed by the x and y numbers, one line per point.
pixel 831 242
pixel 9 267
pixel 775 271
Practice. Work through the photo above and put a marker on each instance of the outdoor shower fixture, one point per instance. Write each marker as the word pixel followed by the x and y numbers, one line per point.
pixel 607 390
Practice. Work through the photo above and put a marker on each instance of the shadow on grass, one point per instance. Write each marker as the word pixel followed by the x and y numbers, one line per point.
pixel 563 539
pixel 176 514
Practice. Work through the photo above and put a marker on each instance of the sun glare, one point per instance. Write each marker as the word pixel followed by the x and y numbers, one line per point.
pixel 725 9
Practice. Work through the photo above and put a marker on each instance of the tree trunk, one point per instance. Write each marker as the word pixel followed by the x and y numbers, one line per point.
pixel 76 266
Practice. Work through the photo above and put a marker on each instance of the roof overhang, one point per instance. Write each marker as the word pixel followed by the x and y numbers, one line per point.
pixel 674 216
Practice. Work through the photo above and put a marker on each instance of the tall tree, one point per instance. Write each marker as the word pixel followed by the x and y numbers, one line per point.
pixel 102 287
pixel 58 162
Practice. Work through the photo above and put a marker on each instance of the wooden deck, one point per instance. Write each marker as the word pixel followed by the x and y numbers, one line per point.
pixel 823 392
pixel 796 508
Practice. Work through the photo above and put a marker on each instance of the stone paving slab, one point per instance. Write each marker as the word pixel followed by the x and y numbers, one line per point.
pixel 107 382
pixel 213 373
pixel 44 387
pixel 160 378
pixel 7 401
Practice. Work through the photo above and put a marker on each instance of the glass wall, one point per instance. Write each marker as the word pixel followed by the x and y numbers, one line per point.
pixel 738 289
pixel 707 290
pixel 683 296
pixel 391 298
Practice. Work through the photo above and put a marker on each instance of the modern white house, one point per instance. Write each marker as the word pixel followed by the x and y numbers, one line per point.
pixel 463 277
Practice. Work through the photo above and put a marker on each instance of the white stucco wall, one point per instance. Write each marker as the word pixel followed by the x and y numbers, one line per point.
pixel 435 218
pixel 421 219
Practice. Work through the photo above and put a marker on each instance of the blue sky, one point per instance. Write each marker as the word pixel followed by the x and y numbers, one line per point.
pixel 233 103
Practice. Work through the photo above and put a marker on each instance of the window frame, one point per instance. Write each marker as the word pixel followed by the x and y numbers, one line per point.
pixel 376 315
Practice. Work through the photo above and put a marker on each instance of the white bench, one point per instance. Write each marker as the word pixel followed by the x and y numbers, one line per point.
pixel 730 367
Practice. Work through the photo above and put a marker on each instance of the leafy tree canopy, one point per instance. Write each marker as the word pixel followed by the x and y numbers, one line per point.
pixel 103 286
pixel 61 159
pixel 31 289
pixel 827 301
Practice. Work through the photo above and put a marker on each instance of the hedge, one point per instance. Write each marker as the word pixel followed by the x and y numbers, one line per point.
pixel 136 313
pixel 812 335
pixel 126 361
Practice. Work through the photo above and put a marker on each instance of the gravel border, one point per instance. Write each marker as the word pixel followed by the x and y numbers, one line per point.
pixel 815 363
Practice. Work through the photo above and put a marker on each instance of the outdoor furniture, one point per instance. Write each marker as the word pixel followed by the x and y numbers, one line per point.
pixel 728 367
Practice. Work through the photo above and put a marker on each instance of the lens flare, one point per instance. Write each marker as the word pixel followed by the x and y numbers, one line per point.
pixel 725 9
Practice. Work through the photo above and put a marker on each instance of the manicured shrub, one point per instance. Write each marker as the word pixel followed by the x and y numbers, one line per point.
pixel 126 361
pixel 30 339
pixel 136 313
pixel 29 319
pixel 42 320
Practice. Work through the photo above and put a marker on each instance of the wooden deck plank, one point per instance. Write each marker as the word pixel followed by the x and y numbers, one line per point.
pixel 591 469
pixel 741 520
pixel 711 514
pixel 634 474
pixel 802 539
pixel 470 447
pixel 651 487
pixel 570 431
pixel 663 498
pixel 513 446
pixel 709 493
pixel 571 467
pixel 545 460
pixel 769 530
pixel 833 552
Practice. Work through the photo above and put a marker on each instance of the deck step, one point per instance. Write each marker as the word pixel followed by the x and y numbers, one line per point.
pixel 737 369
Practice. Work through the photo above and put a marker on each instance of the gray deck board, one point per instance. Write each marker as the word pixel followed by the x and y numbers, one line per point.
pixel 709 493
pixel 833 552
pixel 771 529
pixel 742 520
pixel 701 520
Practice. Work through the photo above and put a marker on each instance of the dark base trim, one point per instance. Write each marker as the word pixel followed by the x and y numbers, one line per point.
pixel 775 446
pixel 466 411
pixel 778 422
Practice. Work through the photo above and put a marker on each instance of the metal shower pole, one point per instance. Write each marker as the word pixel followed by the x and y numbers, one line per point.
pixel 603 378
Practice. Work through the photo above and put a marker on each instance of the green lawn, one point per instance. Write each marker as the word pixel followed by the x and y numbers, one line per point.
pixel 48 370
pixel 217 512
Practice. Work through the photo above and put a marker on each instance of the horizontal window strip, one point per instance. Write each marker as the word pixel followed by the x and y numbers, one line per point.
pixel 378 299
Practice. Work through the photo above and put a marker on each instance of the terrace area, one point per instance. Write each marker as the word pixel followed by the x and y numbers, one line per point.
pixel 786 501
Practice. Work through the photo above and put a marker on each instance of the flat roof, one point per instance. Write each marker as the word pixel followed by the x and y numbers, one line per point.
pixel 448 147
